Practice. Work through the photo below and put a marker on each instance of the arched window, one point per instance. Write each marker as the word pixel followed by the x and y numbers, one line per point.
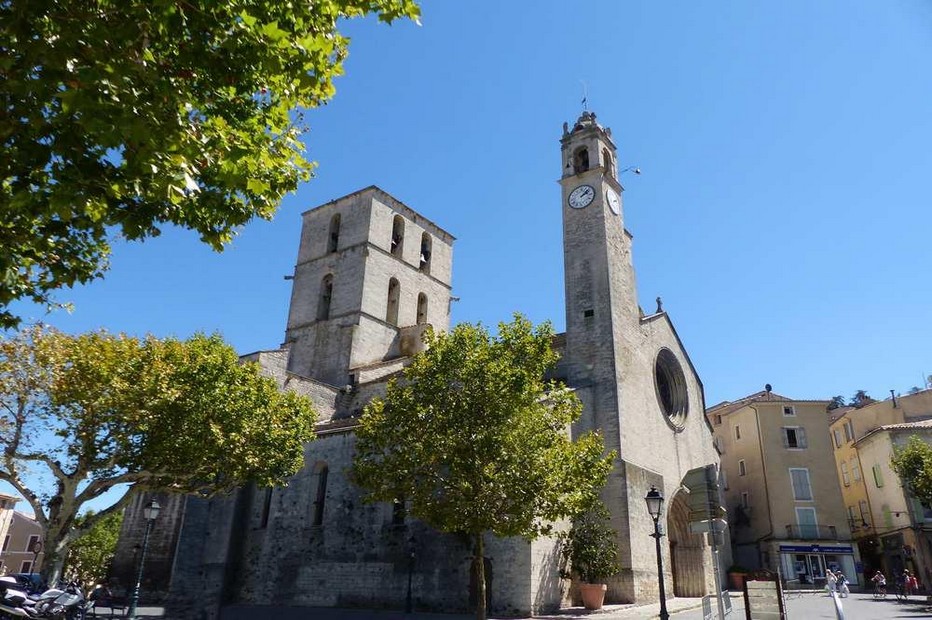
pixel 608 163
pixel 394 292
pixel 398 235
pixel 326 294
pixel 266 508
pixel 322 472
pixel 421 309
pixel 426 245
pixel 581 160
pixel 333 241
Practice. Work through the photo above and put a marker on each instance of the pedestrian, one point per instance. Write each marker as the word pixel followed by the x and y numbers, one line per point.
pixel 880 584
pixel 841 584
pixel 830 581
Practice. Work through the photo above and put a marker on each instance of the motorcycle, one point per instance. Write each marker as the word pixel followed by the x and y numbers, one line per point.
pixel 65 603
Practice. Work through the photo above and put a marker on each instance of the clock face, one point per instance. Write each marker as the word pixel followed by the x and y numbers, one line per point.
pixel 581 196
pixel 614 203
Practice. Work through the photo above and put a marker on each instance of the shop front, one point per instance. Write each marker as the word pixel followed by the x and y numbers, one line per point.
pixel 806 563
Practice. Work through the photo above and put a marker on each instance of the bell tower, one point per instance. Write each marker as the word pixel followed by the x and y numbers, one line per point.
pixel 601 301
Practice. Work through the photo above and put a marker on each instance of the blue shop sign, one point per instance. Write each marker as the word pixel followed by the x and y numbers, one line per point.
pixel 816 549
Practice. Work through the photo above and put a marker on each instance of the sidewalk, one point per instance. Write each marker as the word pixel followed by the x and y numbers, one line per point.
pixel 609 612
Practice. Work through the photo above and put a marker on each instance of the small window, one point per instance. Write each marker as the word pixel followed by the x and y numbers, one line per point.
pixel 398 235
pixel 326 294
pixel 426 245
pixel 399 512
pixel 802 490
pixel 794 437
pixel 26 567
pixel 878 476
pixel 608 163
pixel 853 520
pixel 333 241
pixel 266 507
pixel 789 410
pixel 580 160
pixel 745 499
pixel 6 543
pixel 588 314
pixel 837 435
pixel 30 544
pixel 394 293
pixel 865 513
pixel 724 480
pixel 322 473
pixel 737 432
pixel 855 470
pixel 718 419
pixel 844 475
pixel 742 468
pixel 421 309
pixel 849 431
pixel 807 522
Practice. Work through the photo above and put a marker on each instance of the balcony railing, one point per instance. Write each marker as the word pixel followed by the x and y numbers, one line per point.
pixel 812 532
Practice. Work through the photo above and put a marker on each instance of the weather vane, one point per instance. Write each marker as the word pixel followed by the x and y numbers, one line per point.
pixel 585 96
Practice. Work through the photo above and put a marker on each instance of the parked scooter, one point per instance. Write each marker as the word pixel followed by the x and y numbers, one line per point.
pixel 53 604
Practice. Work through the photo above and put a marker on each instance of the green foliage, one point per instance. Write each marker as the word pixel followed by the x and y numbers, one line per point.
pixel 589 549
pixel 90 555
pixel 170 415
pixel 913 464
pixel 861 399
pixel 127 115
pixel 477 441
pixel 837 402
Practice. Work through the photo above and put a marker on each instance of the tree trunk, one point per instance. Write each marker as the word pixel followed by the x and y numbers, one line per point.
pixel 53 560
pixel 479 559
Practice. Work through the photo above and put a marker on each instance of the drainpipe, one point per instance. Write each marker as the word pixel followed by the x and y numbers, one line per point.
pixel 763 464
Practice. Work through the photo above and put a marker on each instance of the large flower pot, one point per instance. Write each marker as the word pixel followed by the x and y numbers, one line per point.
pixel 736 580
pixel 592 595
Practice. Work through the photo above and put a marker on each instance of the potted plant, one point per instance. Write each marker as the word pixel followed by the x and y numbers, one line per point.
pixel 590 553
pixel 736 574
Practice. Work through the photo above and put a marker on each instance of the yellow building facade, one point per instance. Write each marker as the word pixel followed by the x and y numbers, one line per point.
pixel 891 529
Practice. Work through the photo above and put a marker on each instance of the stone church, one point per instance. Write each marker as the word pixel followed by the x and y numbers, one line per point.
pixel 371 275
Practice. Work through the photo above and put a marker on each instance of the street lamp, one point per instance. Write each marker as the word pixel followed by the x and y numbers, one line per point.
pixel 151 513
pixel 409 603
pixel 36 550
pixel 654 501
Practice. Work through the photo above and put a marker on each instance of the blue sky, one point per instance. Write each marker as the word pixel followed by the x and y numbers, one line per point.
pixel 782 214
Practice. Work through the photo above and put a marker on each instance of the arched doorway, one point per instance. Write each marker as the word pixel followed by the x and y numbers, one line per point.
pixel 688 552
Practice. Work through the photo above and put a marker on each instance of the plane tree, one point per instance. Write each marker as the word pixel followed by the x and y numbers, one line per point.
pixel 95 413
pixel 913 464
pixel 475 440
pixel 121 117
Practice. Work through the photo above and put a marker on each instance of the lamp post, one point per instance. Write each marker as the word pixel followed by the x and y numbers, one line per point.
pixel 151 513
pixel 409 606
pixel 36 550
pixel 654 501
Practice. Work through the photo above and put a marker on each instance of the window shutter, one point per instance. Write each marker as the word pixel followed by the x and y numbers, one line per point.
pixel 801 438
pixel 786 438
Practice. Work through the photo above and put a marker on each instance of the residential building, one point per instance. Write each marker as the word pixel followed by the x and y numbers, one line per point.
pixel 784 505
pixel 890 528
pixel 18 554
pixel 7 506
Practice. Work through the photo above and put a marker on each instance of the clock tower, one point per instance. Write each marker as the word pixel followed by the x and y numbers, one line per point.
pixel 599 278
